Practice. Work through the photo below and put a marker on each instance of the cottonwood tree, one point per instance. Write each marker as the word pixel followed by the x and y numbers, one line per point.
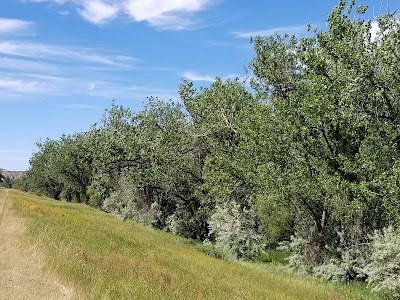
pixel 334 104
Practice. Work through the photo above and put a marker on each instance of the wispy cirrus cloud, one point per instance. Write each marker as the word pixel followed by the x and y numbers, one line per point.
pixel 23 86
pixel 195 76
pixel 14 26
pixel 57 52
pixel 79 106
pixel 17 64
pixel 113 89
pixel 296 30
pixel 34 70
pixel 33 86
pixel 20 85
pixel 161 14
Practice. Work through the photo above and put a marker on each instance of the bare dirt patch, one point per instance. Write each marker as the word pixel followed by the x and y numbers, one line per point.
pixel 21 273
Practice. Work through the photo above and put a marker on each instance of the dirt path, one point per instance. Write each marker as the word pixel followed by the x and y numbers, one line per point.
pixel 21 274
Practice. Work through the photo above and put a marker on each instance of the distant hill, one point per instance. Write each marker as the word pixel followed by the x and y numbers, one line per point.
pixel 12 174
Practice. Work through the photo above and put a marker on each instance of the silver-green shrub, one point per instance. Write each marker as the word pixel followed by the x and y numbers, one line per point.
pixel 384 269
pixel 125 204
pixel 234 229
pixel 344 263
pixel 348 264
pixel 297 260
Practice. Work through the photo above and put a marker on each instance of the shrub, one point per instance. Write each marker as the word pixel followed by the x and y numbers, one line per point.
pixel 297 258
pixel 344 263
pixel 384 269
pixel 234 229
pixel 124 203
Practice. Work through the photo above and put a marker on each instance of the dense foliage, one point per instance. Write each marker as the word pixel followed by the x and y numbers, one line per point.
pixel 5 181
pixel 310 154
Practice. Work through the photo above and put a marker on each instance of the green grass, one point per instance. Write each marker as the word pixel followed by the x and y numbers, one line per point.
pixel 104 258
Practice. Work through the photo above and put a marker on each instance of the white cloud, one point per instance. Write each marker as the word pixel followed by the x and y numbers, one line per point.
pixel 14 26
pixel 32 71
pixel 21 88
pixel 18 85
pixel 79 106
pixel 296 30
pixel 153 9
pixel 26 65
pixel 63 53
pixel 37 70
pixel 194 76
pixel 125 90
pixel 162 14
pixel 98 12
pixel 28 86
pixel 171 14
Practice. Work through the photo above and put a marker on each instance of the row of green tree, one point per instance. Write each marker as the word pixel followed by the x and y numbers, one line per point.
pixel 308 154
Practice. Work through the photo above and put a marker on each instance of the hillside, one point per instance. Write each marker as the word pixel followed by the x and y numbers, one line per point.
pixel 101 257
pixel 12 174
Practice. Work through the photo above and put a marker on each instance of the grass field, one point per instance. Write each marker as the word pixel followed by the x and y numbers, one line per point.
pixel 104 258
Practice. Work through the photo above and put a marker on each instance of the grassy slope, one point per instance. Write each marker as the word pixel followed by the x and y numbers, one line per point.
pixel 104 258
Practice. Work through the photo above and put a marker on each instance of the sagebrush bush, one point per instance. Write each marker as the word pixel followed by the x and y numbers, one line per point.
pixel 297 259
pixel 234 229
pixel 384 269
pixel 346 266
pixel 125 204
pixel 344 263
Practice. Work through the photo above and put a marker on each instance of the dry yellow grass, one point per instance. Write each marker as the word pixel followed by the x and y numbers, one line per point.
pixel 104 258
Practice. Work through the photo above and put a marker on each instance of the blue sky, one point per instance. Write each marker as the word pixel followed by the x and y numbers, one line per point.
pixel 63 61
